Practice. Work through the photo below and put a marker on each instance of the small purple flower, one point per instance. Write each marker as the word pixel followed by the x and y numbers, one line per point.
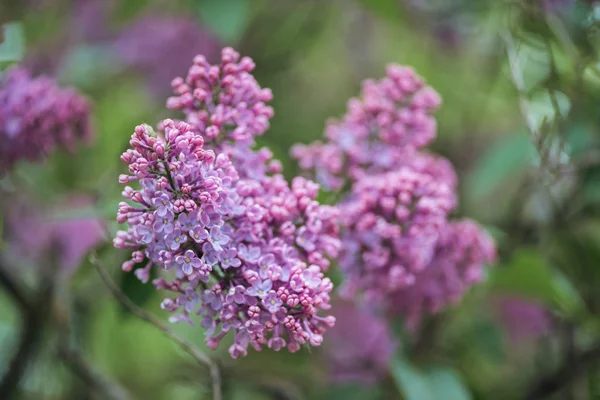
pixel 145 235
pixel 163 204
pixel 188 262
pixel 312 276
pixel 217 238
pixel 187 221
pixel 228 259
pixel 306 239
pixel 230 321
pixel 272 302
pixel 189 298
pixel 198 234
pixel 214 300
pixel 265 264
pixel 260 289
pixel 176 239
pixel 236 294
pixel 210 255
pixel 163 223
pixel 249 253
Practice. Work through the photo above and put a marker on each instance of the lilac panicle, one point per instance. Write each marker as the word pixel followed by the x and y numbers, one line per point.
pixel 379 131
pixel 399 248
pixel 36 116
pixel 247 249
pixel 226 105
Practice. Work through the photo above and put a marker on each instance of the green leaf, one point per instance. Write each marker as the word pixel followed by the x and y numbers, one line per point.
pixel 528 274
pixel 446 384
pixel 543 107
pixel 351 392
pixel 510 156
pixel 412 382
pixel 384 8
pixel 12 48
pixel 529 61
pixel 227 19
pixel 430 384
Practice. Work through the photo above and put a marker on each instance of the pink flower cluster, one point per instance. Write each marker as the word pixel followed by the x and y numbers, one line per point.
pixel 379 132
pixel 399 247
pixel 247 250
pixel 226 105
pixel 36 116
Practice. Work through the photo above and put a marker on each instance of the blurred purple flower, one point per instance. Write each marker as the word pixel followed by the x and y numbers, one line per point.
pixel 360 347
pixel 161 47
pixel 524 319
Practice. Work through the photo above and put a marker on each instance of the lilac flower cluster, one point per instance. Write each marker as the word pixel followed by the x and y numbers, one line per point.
pixel 247 249
pixel 226 105
pixel 399 248
pixel 359 347
pixel 461 250
pixel 379 132
pixel 36 116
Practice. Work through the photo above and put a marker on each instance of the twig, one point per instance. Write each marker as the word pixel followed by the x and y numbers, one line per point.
pixel 12 288
pixel 151 319
pixel 85 371
pixel 571 369
pixel 35 316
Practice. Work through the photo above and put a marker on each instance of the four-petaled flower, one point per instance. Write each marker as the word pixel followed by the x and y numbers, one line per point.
pixel 163 204
pixel 272 302
pixel 198 234
pixel 176 239
pixel 217 238
pixel 228 259
pixel 188 262
pixel 260 288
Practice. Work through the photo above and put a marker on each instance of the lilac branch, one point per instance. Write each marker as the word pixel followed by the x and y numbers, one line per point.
pixel 197 354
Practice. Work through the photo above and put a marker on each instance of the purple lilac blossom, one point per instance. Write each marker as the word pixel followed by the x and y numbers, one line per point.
pixel 391 225
pixel 226 105
pixel 37 116
pixel 262 242
pixel 462 251
pixel 399 248
pixel 33 232
pixel 524 319
pixel 359 347
pixel 379 131
pixel 160 47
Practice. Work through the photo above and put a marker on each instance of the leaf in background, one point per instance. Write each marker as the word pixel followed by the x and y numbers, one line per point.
pixel 508 157
pixel 529 61
pixel 12 48
pixel 87 61
pixel 431 384
pixel 540 108
pixel 133 288
pixel 529 275
pixel 412 382
pixel 384 8
pixel 227 19
pixel 446 384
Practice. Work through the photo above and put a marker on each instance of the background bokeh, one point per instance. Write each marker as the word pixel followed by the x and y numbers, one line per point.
pixel 520 82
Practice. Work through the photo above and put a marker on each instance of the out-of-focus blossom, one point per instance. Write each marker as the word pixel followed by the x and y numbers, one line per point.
pixel 523 319
pixel 160 47
pixel 399 248
pixel 392 223
pixel 462 251
pixel 359 347
pixel 378 133
pixel 34 233
pixel 37 116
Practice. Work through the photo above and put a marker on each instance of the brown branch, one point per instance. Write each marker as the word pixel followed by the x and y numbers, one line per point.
pixel 35 317
pixel 151 319
pixel 12 288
